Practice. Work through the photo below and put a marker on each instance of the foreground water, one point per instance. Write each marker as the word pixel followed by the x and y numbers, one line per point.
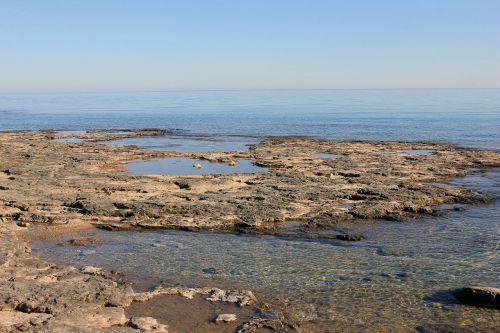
pixel 399 274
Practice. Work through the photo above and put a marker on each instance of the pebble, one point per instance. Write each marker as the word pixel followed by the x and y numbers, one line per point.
pixel 226 318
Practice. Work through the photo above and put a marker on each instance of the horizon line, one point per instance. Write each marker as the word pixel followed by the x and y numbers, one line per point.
pixel 235 90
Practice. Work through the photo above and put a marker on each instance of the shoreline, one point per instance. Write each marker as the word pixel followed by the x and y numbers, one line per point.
pixel 48 182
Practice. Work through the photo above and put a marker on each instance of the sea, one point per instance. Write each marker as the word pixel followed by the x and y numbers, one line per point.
pixel 467 117
pixel 399 274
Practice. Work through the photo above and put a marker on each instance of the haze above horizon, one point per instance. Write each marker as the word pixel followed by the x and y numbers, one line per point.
pixel 112 45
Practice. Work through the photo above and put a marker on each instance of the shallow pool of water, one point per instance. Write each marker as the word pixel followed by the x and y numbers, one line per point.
pixel 418 152
pixel 328 155
pixel 183 166
pixel 71 132
pixel 71 139
pixel 398 274
pixel 188 144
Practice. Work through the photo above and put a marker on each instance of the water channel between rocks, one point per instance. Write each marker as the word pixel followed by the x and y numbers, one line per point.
pixel 185 143
pixel 398 274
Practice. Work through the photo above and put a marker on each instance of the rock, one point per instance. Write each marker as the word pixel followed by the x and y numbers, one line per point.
pixel 22 224
pixel 271 320
pixel 91 270
pixel 210 271
pixel 294 185
pixel 240 298
pixel 443 328
pixel 350 237
pixel 183 184
pixel 147 324
pixel 81 181
pixel 225 318
pixel 188 293
pixel 479 296
pixel 11 319
pixel 81 241
pixel 87 316
pixel 233 163
pixel 197 166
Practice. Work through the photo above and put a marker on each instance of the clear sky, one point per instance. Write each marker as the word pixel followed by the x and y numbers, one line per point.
pixel 114 45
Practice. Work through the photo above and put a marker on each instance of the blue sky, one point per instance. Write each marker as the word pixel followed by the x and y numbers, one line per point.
pixel 120 45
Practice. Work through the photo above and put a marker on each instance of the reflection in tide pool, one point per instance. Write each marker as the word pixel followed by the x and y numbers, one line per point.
pixel 328 155
pixel 71 139
pixel 417 152
pixel 396 275
pixel 71 132
pixel 182 166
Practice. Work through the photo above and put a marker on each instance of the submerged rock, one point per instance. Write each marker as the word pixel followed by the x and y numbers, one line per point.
pixel 81 241
pixel 350 237
pixel 210 271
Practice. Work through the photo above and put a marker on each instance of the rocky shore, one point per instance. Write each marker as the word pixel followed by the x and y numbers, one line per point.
pixel 38 296
pixel 44 180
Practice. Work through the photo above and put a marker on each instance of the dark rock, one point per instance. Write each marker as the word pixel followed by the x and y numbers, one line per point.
pixel 210 271
pixel 350 237
pixel 443 328
pixel 350 174
pixel 81 241
pixel 183 184
pixel 479 296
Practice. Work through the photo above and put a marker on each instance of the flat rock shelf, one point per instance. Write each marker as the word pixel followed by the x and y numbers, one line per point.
pixel 77 185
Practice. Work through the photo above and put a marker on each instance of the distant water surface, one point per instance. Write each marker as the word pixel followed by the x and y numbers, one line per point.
pixel 468 117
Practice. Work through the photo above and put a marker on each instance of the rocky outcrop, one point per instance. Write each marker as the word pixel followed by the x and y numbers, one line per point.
pixel 46 181
pixel 50 182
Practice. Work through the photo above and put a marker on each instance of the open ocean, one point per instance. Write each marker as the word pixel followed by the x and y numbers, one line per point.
pixel 467 117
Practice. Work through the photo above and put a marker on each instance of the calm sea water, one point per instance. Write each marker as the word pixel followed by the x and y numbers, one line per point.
pixel 466 117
